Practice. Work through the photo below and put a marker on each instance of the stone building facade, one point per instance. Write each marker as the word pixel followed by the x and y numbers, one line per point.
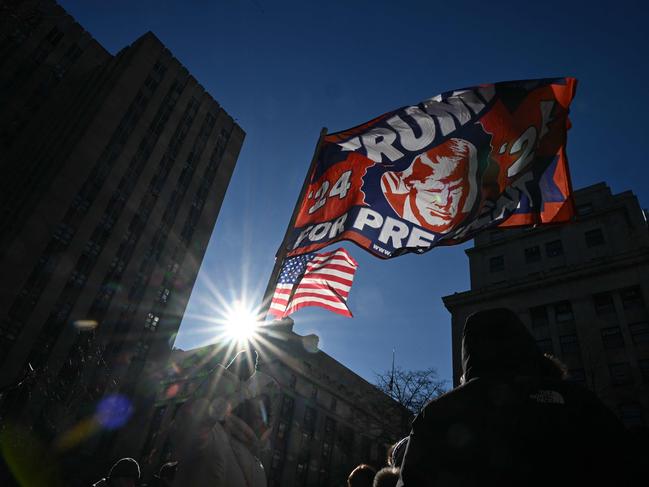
pixel 327 418
pixel 581 288
pixel 114 171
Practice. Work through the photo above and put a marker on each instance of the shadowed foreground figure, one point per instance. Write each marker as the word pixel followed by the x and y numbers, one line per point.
pixel 514 421
pixel 220 432
pixel 386 477
pixel 361 476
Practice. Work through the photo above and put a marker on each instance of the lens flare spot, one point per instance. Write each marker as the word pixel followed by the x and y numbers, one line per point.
pixel 27 458
pixel 85 325
pixel 241 322
pixel 113 411
pixel 172 391
pixel 77 434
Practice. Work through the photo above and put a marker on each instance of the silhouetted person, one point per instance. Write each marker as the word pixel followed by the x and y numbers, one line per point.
pixel 386 477
pixel 396 453
pixel 361 476
pixel 514 421
pixel 220 432
pixel 124 473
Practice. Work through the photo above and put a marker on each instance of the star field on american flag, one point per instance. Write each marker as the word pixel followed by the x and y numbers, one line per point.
pixel 294 268
pixel 314 280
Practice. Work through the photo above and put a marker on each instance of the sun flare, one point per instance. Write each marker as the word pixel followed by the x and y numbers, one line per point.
pixel 241 322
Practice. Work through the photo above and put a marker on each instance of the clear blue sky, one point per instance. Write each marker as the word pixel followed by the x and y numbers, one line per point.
pixel 285 69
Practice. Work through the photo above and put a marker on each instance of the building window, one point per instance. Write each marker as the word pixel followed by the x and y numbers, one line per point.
pixel 314 393
pixel 604 304
pixel 539 316
pixel 301 472
pixel 345 440
pixel 334 404
pixel 63 233
pixel 497 264
pixel 163 295
pixel 632 297
pixel 563 312
pixel 276 463
pixel 92 248
pixel 584 209
pixel 545 345
pixel 612 337
pixel 330 425
pixel 287 408
pixel 151 322
pixel 326 449
pixel 292 381
pixel 554 248
pixel 308 425
pixel 594 237
pixel 620 373
pixel 141 350
pixel 640 332
pixel 282 429
pixel 631 414
pixel 569 344
pixel 532 254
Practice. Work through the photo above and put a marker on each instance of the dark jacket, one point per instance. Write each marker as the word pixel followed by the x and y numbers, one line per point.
pixel 514 422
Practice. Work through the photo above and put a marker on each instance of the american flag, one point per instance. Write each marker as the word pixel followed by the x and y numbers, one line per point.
pixel 314 280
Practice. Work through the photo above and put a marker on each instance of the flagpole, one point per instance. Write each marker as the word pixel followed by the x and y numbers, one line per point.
pixel 281 252
pixel 392 373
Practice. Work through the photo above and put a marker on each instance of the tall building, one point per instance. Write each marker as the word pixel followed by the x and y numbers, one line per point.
pixel 326 421
pixel 114 170
pixel 581 288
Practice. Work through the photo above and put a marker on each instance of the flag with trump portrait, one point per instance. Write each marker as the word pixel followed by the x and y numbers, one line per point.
pixel 439 172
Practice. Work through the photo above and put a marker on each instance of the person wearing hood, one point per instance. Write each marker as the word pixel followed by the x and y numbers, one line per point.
pixel 513 421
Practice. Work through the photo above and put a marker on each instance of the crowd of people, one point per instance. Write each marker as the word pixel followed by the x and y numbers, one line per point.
pixel 367 476
pixel 514 420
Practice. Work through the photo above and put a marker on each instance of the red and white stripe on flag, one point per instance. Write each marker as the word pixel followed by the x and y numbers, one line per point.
pixel 314 280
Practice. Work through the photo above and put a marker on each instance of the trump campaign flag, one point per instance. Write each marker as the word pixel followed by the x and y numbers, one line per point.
pixel 314 280
pixel 439 172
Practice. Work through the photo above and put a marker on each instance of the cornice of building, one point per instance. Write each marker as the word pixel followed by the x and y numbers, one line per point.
pixel 346 385
pixel 529 283
pixel 549 228
pixel 298 353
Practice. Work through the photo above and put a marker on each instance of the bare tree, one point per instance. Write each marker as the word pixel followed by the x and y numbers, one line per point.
pixel 411 388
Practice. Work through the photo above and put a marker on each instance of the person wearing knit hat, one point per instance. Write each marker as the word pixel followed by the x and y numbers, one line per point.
pixel 513 420
pixel 124 473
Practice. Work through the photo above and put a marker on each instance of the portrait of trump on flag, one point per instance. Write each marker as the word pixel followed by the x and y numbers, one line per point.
pixel 438 189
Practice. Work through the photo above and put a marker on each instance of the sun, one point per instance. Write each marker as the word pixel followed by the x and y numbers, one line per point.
pixel 241 322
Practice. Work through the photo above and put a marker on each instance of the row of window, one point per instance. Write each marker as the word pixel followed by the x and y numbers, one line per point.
pixel 620 373
pixel 152 320
pixel 65 231
pixel 118 202
pixel 554 248
pixel 138 222
pixel 630 297
pixel 612 336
